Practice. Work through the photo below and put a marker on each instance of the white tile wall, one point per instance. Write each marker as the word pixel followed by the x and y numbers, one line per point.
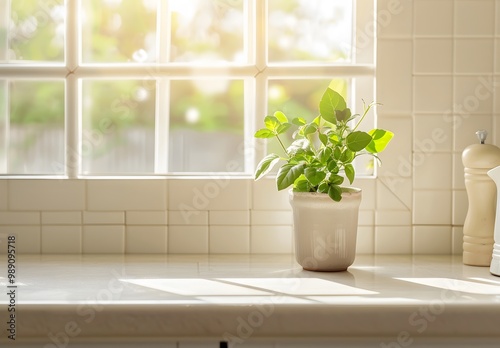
pixel 225 217
pixel 460 207
pixel 3 195
pixel 472 96
pixel 366 218
pixel 147 217
pixel 394 68
pixel 271 239
pixel 61 239
pixel 432 128
pixel 46 195
pixel 103 239
pixel 19 218
pixel 432 240
pixel 397 157
pixel 432 207
pixel 109 195
pixel 434 172
pixel 393 194
pixel 433 18
pixel 393 240
pixel 229 239
pixel 263 217
pixel 266 197
pixel 103 218
pixel 365 240
pixel 475 17
pixel 146 239
pixel 27 238
pixel 433 55
pixel 62 218
pixel 433 94
pixel 474 55
pixel 209 194
pixel 458 172
pixel 188 217
pixel 457 236
pixel 497 16
pixel 438 68
pixel 188 240
pixel 497 53
pixel 368 187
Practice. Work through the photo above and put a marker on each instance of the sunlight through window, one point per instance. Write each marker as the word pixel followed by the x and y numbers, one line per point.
pixel 159 87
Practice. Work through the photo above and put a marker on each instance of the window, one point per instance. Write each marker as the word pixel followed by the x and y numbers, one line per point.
pixel 155 87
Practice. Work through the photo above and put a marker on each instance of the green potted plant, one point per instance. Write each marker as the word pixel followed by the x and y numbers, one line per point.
pixel 315 166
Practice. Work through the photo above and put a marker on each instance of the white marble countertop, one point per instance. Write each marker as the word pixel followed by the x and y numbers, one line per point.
pixel 243 297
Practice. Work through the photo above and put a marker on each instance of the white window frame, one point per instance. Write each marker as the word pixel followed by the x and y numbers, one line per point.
pixel 256 75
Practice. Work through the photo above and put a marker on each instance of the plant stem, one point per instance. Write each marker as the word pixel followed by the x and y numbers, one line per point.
pixel 362 117
pixel 311 142
pixel 282 146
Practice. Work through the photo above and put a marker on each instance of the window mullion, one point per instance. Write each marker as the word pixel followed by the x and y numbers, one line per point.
pixel 260 34
pixel 72 112
pixel 260 85
pixel 162 91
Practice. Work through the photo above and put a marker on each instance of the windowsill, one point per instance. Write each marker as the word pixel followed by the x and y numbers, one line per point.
pixel 209 296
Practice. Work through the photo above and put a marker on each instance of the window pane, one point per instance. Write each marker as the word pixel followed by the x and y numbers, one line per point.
pixel 206 126
pixel 310 30
pixel 36 31
pixel 36 133
pixel 207 31
pixel 118 126
pixel 119 31
pixel 4 25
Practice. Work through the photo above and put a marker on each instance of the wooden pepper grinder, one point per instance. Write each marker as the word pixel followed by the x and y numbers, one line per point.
pixel 479 224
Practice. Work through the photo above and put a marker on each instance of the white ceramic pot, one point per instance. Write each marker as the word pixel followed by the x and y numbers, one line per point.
pixel 325 231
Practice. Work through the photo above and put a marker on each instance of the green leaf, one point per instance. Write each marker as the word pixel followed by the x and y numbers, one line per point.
pixel 380 140
pixel 266 164
pixel 343 115
pixel 347 156
pixel 299 121
pixel 357 141
pixel 323 138
pixel 333 167
pixel 310 128
pixel 287 175
pixel 271 123
pixel 334 138
pixel 330 102
pixel 336 179
pixel 337 152
pixel 323 187
pixel 300 144
pixel 282 128
pixel 325 154
pixel 314 176
pixel 264 133
pixel 335 193
pixel 281 117
pixel 301 184
pixel 350 172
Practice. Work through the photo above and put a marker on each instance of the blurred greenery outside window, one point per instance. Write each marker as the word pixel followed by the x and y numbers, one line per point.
pixel 167 86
